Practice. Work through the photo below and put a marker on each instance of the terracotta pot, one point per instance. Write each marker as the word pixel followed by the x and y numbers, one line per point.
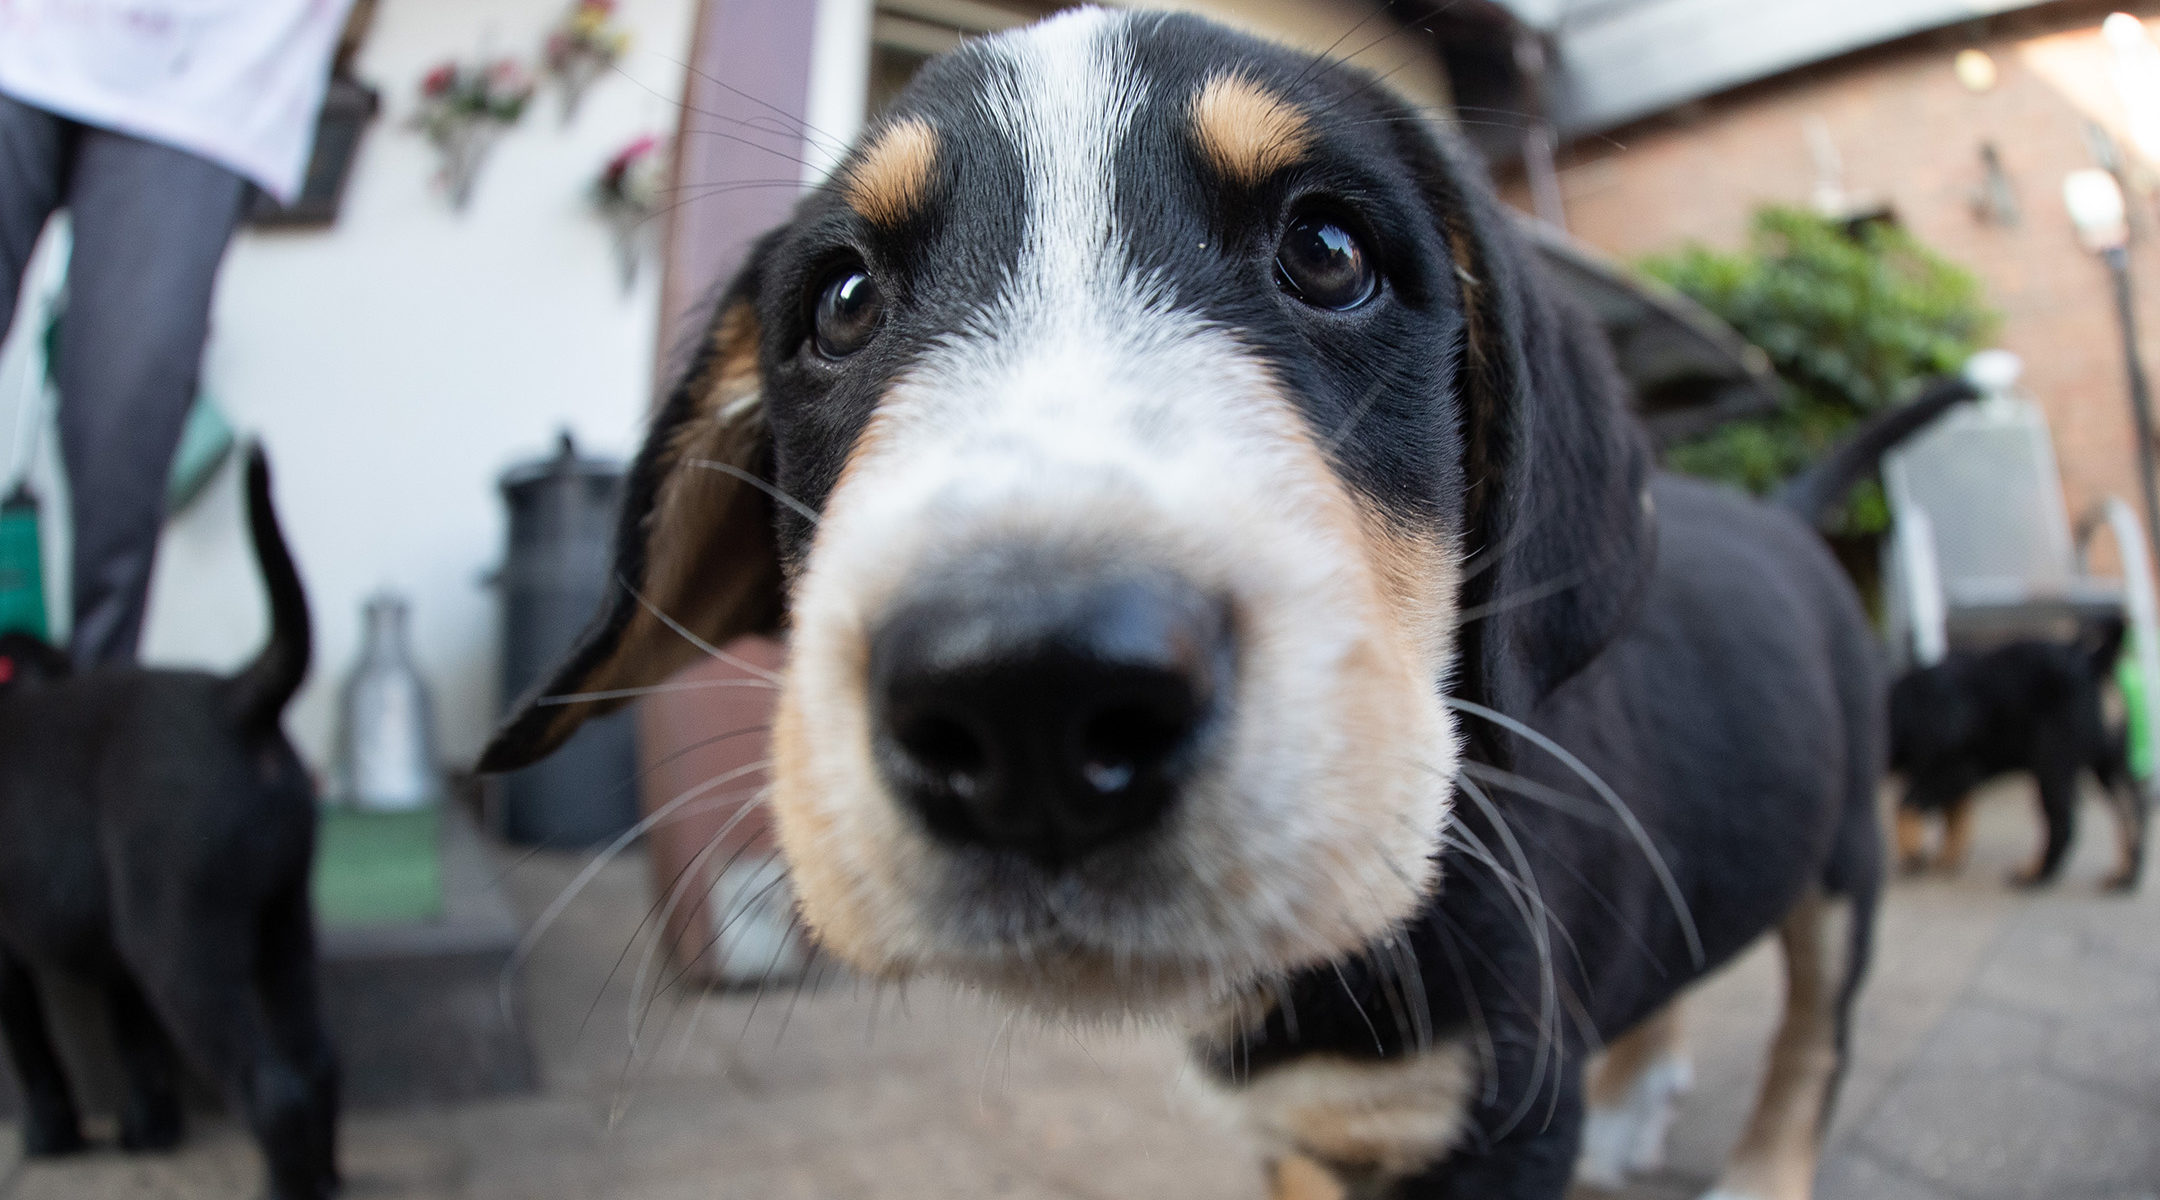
pixel 716 870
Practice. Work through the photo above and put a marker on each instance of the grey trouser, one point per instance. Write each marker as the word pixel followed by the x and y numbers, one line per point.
pixel 151 224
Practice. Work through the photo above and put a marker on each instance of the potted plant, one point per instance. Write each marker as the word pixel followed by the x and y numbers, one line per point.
pixel 464 108
pixel 1854 315
pixel 628 194
pixel 582 45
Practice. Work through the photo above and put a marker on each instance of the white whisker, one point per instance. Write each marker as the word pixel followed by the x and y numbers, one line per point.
pixel 1530 903
pixel 1524 598
pixel 1612 800
pixel 591 871
pixel 655 689
pixel 730 469
pixel 733 660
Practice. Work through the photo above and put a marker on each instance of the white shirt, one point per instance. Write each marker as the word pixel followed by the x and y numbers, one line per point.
pixel 235 81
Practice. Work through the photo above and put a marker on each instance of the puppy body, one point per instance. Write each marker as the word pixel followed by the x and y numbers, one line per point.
pixel 156 833
pixel 2031 707
pixel 1739 719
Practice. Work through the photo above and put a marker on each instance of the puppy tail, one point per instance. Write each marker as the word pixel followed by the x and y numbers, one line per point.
pixel 1813 493
pixel 260 691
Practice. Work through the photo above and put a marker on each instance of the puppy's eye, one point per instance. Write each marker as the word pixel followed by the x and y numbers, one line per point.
pixel 1322 264
pixel 849 311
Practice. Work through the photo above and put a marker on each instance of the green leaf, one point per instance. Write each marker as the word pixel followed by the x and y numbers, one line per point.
pixel 1853 321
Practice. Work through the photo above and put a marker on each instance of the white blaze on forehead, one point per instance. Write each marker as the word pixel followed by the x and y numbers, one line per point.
pixel 1072 359
pixel 1065 99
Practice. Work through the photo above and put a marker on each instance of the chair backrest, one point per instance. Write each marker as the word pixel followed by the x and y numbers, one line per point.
pixel 1985 477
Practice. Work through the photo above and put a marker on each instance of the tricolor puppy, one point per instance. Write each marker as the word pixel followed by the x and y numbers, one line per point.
pixel 1154 443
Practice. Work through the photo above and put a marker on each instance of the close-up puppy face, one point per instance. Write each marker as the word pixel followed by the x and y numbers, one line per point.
pixel 1110 685
pixel 1108 436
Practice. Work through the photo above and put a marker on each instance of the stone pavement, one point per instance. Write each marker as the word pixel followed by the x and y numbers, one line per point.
pixel 2008 1048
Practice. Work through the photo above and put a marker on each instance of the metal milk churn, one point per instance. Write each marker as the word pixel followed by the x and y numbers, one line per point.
pixel 386 743
pixel 555 573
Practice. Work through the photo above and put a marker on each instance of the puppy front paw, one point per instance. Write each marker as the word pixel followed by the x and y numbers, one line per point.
pixel 1628 1138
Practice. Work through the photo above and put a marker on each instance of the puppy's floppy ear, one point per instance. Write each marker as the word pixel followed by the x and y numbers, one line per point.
pixel 694 544
pixel 1558 523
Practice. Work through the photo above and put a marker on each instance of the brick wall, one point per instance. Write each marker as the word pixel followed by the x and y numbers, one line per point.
pixel 1909 135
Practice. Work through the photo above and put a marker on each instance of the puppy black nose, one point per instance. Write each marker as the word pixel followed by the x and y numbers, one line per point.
pixel 1050 715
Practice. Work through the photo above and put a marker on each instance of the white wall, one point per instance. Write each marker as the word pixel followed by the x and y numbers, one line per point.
pixel 395 363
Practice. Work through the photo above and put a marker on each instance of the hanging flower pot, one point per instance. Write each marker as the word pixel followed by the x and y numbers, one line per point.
pixel 628 195
pixel 464 109
pixel 581 48
pixel 464 147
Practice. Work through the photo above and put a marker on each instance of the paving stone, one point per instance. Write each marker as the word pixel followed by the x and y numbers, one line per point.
pixel 2054 977
pixel 514 1149
pixel 1859 1176
pixel 793 1183
pixel 2013 1136
pixel 396 1155
pixel 2119 1053
pixel 1662 1186
pixel 1983 1040
pixel 218 1162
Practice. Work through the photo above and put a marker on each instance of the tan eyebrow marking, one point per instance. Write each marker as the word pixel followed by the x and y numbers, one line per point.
pixel 1246 130
pixel 891 180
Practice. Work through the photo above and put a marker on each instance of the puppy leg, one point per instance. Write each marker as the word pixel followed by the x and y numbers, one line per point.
pixel 49 1120
pixel 2058 812
pixel 151 1120
pixel 1632 1094
pixel 1912 838
pixel 286 978
pixel 2131 813
pixel 200 970
pixel 1957 835
pixel 1775 1159
pixel 1296 1177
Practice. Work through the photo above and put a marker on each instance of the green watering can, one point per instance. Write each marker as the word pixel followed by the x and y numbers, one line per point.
pixel 22 566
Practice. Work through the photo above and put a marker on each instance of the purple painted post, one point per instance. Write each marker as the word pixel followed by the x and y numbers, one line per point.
pixel 738 155
pixel 739 159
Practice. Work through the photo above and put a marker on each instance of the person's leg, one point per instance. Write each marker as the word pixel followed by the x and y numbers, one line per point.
pixel 151 224
pixel 33 157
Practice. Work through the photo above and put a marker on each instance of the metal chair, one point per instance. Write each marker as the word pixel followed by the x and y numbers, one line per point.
pixel 1982 547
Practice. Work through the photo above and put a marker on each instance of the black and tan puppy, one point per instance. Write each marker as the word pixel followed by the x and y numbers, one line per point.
pixel 156 832
pixel 1223 585
pixel 2028 707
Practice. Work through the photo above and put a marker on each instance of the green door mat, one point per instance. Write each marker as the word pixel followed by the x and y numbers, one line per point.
pixel 378 868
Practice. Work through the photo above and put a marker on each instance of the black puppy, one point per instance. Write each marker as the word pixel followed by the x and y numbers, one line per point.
pixel 156 831
pixel 2029 706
